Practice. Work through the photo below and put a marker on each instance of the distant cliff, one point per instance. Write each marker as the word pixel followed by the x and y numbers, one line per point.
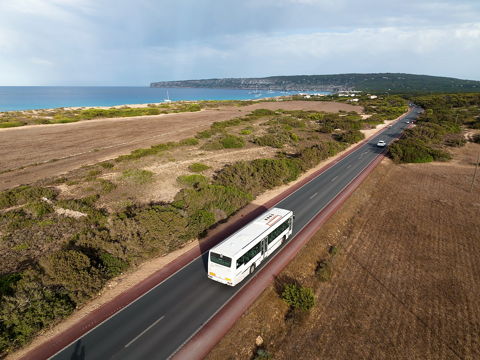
pixel 381 82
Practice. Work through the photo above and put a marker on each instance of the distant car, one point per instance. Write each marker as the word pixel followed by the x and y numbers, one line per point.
pixel 381 143
pixel 407 122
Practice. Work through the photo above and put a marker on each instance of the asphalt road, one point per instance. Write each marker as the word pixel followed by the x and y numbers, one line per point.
pixel 159 322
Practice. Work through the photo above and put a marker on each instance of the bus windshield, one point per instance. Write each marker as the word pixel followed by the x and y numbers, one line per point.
pixel 220 259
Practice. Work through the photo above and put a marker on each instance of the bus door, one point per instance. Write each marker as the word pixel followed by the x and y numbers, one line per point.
pixel 264 247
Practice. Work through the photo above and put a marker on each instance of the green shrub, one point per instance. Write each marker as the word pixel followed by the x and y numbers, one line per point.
pixel 112 266
pixel 74 271
pixel 232 142
pixel 138 176
pixel 262 112
pixel 226 141
pixel 192 180
pixel 476 138
pixel 350 136
pixel 204 134
pixel 150 231
pixel 246 131
pixel 271 140
pixel 10 124
pixel 212 145
pixel 39 208
pixel 311 156
pixel 200 221
pixel 23 194
pixel 198 167
pixel 7 283
pixel 411 150
pixel 257 175
pixel 217 199
pixel 297 297
pixel 219 126
pixel 32 307
pixel 188 142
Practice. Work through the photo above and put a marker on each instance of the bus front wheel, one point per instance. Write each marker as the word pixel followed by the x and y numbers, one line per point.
pixel 252 269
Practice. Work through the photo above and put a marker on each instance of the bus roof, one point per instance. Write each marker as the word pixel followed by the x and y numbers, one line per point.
pixel 236 243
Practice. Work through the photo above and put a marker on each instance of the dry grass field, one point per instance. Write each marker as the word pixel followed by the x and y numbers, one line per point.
pixel 32 153
pixel 406 278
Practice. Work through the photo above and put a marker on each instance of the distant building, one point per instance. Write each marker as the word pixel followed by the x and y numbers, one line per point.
pixel 373 96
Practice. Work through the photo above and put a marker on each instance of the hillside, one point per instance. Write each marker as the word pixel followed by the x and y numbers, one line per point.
pixel 381 82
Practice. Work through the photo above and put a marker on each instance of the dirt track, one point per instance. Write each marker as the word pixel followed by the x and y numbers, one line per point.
pixel 32 153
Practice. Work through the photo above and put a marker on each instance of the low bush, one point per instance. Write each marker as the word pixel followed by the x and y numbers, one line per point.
pixel 188 142
pixel 262 112
pixel 24 194
pixel 217 199
pixel 272 140
pixel 198 167
pixel 476 138
pixel 7 283
pixel 232 142
pixel 298 297
pixel 257 175
pixel 192 180
pixel 112 266
pixel 350 136
pixel 311 156
pixel 10 124
pixel 77 275
pixel 32 307
pixel 411 150
pixel 204 134
pixel 39 208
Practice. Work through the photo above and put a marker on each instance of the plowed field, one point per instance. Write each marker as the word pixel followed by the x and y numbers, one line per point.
pixel 406 280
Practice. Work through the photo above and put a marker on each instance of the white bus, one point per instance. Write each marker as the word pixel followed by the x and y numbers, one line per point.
pixel 238 255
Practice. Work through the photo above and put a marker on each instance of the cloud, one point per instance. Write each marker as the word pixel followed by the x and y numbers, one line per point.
pixel 117 42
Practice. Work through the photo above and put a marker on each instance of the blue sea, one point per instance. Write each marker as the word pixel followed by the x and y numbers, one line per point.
pixel 46 97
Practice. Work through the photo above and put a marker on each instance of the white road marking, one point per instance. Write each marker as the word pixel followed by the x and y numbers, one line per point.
pixel 144 331
pixel 333 179
pixel 349 165
pixel 311 197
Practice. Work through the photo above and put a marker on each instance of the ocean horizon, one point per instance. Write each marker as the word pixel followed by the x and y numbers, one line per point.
pixel 14 98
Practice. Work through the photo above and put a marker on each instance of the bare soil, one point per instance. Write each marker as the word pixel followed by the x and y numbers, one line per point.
pixel 31 153
pixel 405 283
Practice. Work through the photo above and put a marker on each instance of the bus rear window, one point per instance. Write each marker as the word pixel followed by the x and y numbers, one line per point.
pixel 220 259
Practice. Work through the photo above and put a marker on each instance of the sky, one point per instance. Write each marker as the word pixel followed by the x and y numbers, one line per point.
pixel 124 42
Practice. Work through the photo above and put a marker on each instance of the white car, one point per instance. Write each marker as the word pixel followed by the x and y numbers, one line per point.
pixel 381 143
